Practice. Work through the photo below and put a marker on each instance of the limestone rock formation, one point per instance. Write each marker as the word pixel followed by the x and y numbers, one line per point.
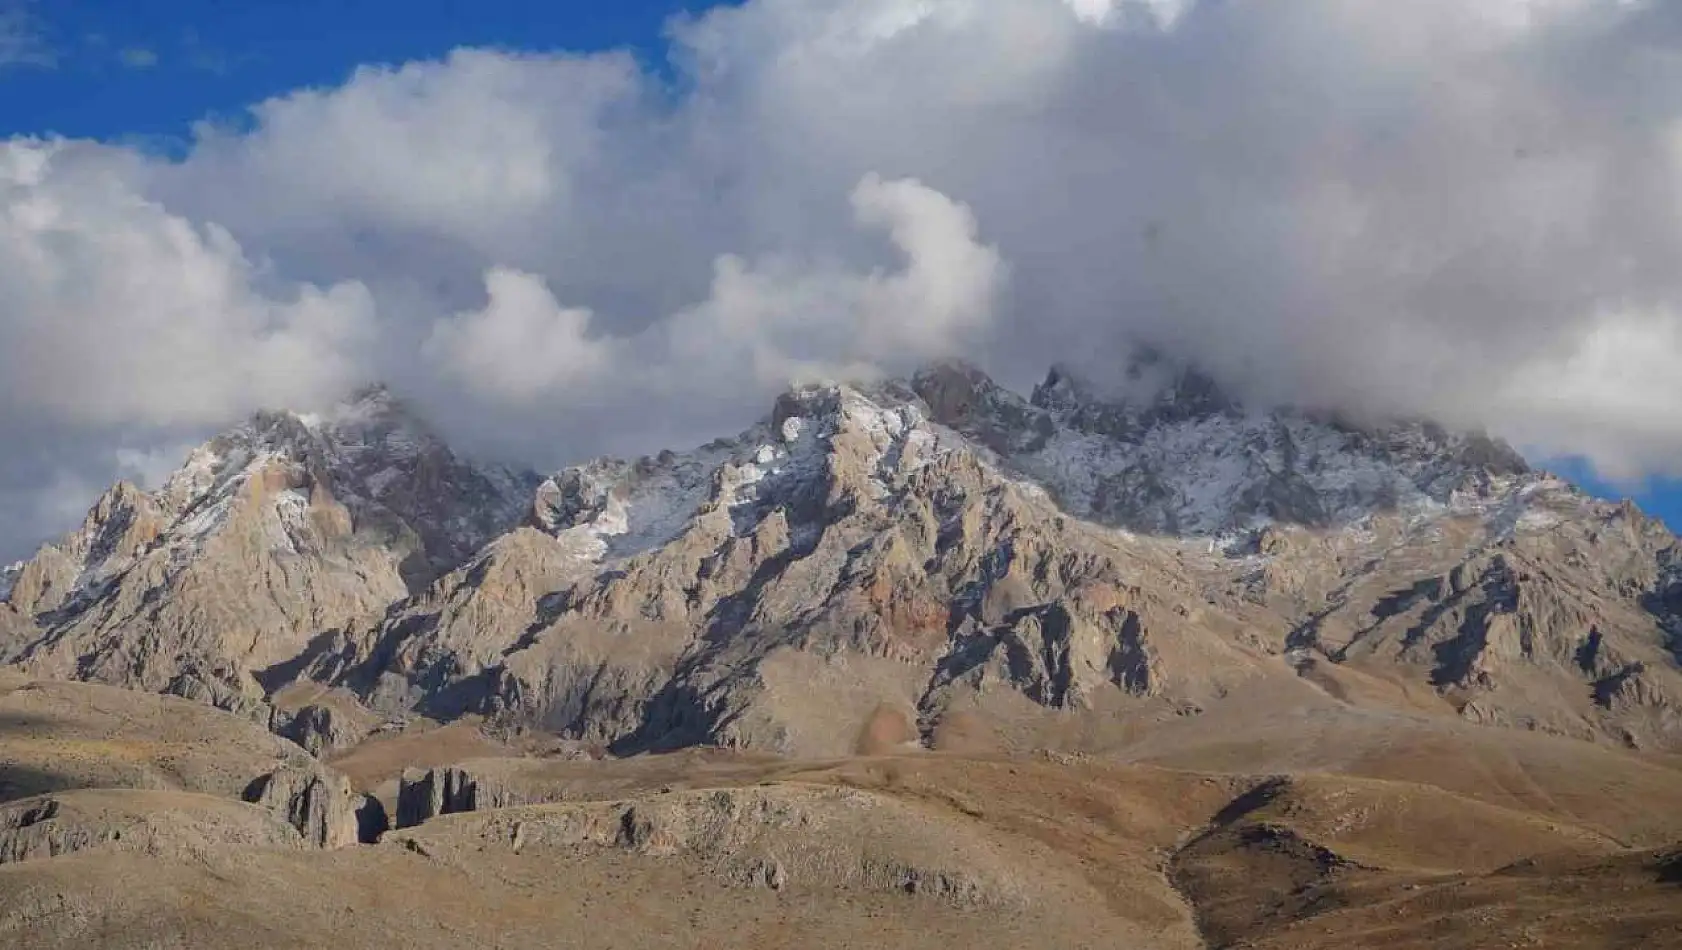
pixel 479 785
pixel 762 838
pixel 714 597
pixel 270 537
pixel 1052 570
pixel 171 825
pixel 944 545
pixel 320 728
pixel 424 795
pixel 320 804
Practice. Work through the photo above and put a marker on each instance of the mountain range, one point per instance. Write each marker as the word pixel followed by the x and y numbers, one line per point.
pixel 937 547
pixel 1225 674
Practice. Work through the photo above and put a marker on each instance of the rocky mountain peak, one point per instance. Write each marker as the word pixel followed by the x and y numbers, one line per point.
pixel 370 454
pixel 1164 451
pixel 817 441
pixel 1151 389
pixel 1163 448
pixel 270 533
pixel 953 538
pixel 962 397
pixel 122 524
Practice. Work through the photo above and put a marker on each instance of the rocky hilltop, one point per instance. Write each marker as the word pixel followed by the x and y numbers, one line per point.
pixel 269 536
pixel 932 562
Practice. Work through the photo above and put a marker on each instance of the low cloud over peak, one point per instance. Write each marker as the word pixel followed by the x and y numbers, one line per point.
pixel 1464 211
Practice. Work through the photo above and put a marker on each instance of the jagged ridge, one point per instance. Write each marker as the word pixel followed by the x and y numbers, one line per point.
pixel 938 548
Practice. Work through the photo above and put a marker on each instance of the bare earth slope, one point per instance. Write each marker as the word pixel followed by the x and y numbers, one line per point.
pixel 58 737
pixel 923 850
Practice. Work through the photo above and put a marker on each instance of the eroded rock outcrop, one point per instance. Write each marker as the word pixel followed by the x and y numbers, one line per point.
pixel 775 838
pixel 320 804
pixel 171 825
pixel 476 785
pixel 321 728
pixel 426 794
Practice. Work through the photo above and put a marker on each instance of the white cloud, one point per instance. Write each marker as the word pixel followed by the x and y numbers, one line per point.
pixel 1612 395
pixel 763 322
pixel 793 318
pixel 455 150
pixel 522 346
pixel 118 312
pixel 1164 14
pixel 944 298
pixel 1467 210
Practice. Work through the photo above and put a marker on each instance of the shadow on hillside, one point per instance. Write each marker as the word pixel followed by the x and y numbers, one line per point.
pixel 281 675
pixel 1670 869
pixel 21 779
pixel 675 718
pixel 27 781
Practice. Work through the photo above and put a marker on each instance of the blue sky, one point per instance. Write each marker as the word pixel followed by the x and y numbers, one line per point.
pixel 1658 497
pixel 147 69
pixel 141 72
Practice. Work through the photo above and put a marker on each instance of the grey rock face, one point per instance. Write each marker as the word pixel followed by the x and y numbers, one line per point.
pixel 226 688
pixel 164 824
pixel 424 795
pixel 318 803
pixel 269 538
pixel 427 794
pixel 691 598
pixel 1180 457
pixel 1154 391
pixel 1165 450
pixel 961 396
pixel 319 728
pixel 16 630
pixel 701 596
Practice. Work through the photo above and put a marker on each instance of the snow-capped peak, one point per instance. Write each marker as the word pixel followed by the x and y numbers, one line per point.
pixel 1163 449
pixel 614 508
pixel 368 462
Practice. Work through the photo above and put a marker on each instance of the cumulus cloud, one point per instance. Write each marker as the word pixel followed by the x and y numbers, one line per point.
pixel 762 324
pixel 118 312
pixel 1465 210
pixel 522 345
pixel 784 318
